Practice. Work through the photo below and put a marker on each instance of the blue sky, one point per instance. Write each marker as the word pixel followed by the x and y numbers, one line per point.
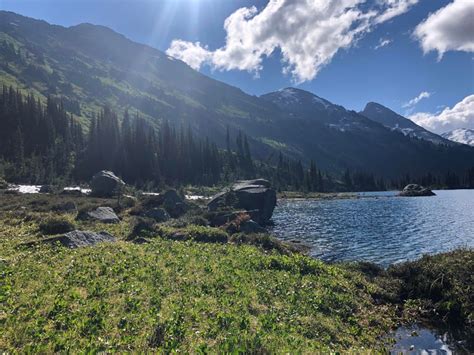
pixel 357 73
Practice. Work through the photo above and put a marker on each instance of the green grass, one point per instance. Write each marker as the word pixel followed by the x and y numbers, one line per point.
pixel 191 296
pixel 169 295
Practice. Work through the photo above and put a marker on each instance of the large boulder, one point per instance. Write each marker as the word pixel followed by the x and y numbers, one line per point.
pixel 100 214
pixel 105 184
pixel 256 196
pixel 414 190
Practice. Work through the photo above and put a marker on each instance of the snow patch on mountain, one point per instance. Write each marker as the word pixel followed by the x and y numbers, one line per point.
pixel 461 135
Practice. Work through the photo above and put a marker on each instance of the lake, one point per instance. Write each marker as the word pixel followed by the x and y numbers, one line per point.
pixel 379 226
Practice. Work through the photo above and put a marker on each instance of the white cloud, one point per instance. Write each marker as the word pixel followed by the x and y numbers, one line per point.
pixel 449 29
pixel 382 43
pixel 415 100
pixel 192 53
pixel 460 115
pixel 307 32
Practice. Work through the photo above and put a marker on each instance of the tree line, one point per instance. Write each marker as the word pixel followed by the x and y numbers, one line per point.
pixel 43 143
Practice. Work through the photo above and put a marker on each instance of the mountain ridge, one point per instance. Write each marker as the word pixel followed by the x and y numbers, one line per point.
pixel 89 66
pixel 396 122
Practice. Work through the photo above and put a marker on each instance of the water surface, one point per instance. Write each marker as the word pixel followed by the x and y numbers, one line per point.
pixel 379 227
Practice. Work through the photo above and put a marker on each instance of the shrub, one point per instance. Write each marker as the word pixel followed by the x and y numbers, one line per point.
pixel 199 221
pixel 3 184
pixel 444 282
pixel 142 227
pixel 56 225
pixel 207 234
pixel 263 241
pixel 196 233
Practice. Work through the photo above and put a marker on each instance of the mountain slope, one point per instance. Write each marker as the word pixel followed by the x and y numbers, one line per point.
pixel 398 123
pixel 349 137
pixel 89 66
pixel 461 135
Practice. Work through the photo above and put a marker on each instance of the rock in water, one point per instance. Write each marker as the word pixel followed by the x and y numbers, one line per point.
pixel 76 239
pixel 413 190
pixel 105 184
pixel 251 195
pixel 101 214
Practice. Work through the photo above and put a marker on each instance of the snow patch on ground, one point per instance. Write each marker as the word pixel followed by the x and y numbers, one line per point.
pixel 77 188
pixel 35 189
pixel 25 189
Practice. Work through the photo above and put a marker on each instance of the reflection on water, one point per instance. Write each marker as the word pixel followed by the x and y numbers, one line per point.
pixel 379 227
pixel 419 340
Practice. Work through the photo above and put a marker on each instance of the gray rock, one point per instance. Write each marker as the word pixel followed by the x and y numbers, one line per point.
pixel 105 184
pixel 251 195
pixel 414 190
pixel 76 239
pixel 101 214
pixel 250 226
pixel 158 214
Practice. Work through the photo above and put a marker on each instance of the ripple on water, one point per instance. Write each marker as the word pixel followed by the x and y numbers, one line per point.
pixel 386 229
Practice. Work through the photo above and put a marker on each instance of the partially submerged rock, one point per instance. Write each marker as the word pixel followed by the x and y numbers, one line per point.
pixel 101 214
pixel 105 184
pixel 414 190
pixel 251 195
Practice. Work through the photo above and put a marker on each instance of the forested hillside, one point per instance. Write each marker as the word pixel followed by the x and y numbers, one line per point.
pixel 45 144
pixel 88 68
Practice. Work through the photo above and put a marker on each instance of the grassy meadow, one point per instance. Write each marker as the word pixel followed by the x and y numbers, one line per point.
pixel 198 297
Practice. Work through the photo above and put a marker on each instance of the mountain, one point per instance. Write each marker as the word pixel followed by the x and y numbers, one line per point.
pixel 342 135
pixel 461 135
pixel 89 66
pixel 383 115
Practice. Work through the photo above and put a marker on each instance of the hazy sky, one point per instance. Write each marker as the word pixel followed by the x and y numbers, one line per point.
pixel 414 56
